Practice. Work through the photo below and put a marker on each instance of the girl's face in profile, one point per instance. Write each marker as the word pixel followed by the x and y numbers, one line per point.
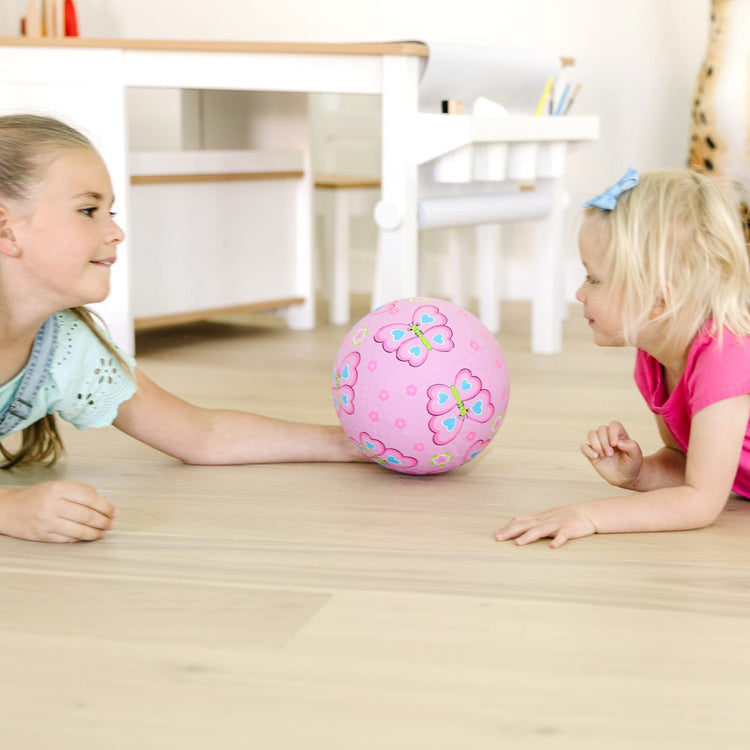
pixel 66 233
pixel 602 304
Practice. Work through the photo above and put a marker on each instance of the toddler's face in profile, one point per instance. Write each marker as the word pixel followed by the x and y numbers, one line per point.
pixel 602 304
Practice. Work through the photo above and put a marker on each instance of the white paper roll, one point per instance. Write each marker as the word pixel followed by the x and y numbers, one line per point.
pixel 512 78
pixel 476 210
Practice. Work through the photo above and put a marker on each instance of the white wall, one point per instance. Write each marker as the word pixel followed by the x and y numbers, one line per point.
pixel 637 59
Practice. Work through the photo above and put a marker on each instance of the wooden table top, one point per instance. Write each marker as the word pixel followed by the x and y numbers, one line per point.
pixel 409 48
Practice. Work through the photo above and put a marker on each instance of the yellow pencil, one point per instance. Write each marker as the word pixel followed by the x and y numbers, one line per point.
pixel 545 94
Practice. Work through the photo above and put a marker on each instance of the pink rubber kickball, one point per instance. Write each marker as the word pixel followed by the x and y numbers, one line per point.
pixel 420 385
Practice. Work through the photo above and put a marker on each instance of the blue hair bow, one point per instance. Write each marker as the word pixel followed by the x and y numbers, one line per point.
pixel 608 199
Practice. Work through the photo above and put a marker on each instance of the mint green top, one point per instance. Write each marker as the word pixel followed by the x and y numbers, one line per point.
pixel 85 384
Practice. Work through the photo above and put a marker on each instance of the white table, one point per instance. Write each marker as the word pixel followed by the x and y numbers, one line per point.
pixel 85 80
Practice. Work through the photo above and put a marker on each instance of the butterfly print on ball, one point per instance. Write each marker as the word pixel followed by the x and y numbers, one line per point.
pixel 387 456
pixel 412 342
pixel 453 405
pixel 475 449
pixel 342 382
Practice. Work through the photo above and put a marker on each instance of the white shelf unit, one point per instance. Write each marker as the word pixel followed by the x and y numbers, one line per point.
pixel 213 231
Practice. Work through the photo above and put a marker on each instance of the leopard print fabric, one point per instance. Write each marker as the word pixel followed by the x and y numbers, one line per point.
pixel 720 134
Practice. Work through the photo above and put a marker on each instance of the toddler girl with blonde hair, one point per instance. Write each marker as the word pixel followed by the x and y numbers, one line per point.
pixel 667 272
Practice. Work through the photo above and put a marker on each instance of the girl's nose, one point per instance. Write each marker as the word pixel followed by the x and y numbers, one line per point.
pixel 117 235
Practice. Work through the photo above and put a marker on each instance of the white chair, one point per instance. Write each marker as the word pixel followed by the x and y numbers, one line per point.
pixel 346 175
pixel 341 197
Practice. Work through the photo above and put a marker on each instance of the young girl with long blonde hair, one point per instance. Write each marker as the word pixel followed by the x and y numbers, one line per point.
pixel 58 241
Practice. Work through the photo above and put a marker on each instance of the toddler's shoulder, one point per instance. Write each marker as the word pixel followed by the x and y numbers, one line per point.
pixel 728 347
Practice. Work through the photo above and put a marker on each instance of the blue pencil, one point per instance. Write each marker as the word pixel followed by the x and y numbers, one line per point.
pixel 563 97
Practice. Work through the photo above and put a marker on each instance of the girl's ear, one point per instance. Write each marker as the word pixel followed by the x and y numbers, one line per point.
pixel 659 307
pixel 7 238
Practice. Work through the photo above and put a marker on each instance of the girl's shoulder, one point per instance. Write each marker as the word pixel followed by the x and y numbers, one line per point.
pixel 87 382
pixel 70 328
pixel 718 366
pixel 721 346
pixel 76 341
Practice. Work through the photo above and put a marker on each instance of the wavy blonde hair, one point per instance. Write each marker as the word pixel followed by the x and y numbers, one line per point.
pixel 677 239
pixel 27 144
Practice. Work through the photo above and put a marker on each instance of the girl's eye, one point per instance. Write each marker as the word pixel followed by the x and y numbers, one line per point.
pixel 90 211
pixel 112 214
pixel 591 280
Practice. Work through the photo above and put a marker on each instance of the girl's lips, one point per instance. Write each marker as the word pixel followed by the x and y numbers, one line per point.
pixel 104 262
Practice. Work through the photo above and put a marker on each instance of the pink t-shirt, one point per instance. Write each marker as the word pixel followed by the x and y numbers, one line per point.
pixel 713 373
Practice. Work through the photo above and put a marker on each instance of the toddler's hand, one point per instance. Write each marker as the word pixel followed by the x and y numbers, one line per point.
pixel 59 511
pixel 614 455
pixel 567 522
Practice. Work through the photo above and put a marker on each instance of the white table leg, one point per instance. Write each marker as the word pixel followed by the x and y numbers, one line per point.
pixel 488 257
pixel 396 265
pixel 546 321
pixel 456 252
pixel 337 261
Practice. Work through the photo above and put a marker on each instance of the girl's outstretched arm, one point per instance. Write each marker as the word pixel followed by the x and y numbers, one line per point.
pixel 716 438
pixel 216 436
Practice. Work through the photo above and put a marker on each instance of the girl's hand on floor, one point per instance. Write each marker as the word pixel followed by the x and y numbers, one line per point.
pixel 562 524
pixel 58 511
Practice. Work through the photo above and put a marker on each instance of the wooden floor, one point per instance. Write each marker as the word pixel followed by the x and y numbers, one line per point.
pixel 344 606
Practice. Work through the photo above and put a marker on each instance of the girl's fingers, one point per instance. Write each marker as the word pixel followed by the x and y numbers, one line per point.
pixel 85 516
pixel 589 452
pixel 617 433
pixel 71 531
pixel 606 443
pixel 595 443
pixel 513 528
pixel 604 440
